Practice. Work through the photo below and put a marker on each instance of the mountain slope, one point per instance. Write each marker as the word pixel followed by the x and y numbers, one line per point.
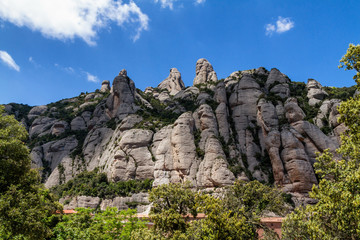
pixel 255 124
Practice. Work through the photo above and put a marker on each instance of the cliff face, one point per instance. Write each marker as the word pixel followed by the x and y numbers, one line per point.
pixel 255 124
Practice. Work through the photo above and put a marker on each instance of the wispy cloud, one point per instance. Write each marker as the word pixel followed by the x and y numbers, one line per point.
pixel 78 73
pixel 68 19
pixel 69 70
pixel 200 1
pixel 170 3
pixel 282 25
pixel 166 3
pixel 92 78
pixel 9 61
pixel 33 62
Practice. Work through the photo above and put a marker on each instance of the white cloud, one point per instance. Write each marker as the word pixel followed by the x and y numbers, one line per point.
pixel 69 19
pixel 170 3
pixel 199 1
pixel 270 28
pixel 166 3
pixel 9 61
pixel 282 25
pixel 92 78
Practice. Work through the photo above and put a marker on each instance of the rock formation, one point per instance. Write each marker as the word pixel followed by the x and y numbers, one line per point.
pixel 315 92
pixel 105 86
pixel 173 82
pixel 247 126
pixel 204 72
pixel 122 98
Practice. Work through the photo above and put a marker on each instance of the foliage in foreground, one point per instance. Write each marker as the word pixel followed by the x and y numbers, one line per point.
pixel 225 219
pixel 26 207
pixel 109 224
pixel 337 213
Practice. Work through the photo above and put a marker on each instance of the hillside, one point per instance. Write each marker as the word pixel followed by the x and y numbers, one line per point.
pixel 255 124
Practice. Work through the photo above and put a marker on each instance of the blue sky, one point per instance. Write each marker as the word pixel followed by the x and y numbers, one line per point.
pixel 55 49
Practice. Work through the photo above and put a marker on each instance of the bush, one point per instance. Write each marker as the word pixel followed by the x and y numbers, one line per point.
pixel 96 184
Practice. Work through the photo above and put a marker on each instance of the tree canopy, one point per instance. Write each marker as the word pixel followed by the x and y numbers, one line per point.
pixel 231 213
pixel 26 207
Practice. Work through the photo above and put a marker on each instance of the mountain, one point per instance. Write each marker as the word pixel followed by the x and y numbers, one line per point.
pixel 255 124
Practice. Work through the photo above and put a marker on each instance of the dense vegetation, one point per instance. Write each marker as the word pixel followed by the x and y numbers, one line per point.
pixel 26 207
pixel 109 224
pixel 234 214
pixel 96 184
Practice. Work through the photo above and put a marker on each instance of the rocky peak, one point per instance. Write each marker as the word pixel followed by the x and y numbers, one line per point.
pixel 173 83
pixel 105 86
pixel 275 76
pixel 122 98
pixel 204 72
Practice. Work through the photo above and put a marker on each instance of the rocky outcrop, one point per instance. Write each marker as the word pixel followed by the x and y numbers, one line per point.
pixel 105 86
pixel 213 170
pixel 41 126
pixel 139 200
pixel 59 127
pixel 275 78
pixel 37 111
pixel 243 105
pixel 122 98
pixel 173 83
pixel 183 148
pixel 243 127
pixel 204 72
pixel 315 92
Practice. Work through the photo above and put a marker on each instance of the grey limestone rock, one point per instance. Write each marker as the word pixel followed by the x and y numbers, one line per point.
pixel 59 127
pixel 274 77
pixel 83 202
pixel 37 111
pixel 315 92
pixel 204 72
pixel 122 98
pixel 78 123
pixel 189 93
pixel 41 126
pixel 173 83
pixel 213 170
pixel 105 86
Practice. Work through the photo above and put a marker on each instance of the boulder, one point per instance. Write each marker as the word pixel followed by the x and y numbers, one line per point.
pixel 78 123
pixel 37 111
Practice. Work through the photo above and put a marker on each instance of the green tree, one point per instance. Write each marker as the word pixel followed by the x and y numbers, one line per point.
pixel 220 221
pixel 108 224
pixel 26 208
pixel 171 205
pixel 233 214
pixel 14 155
pixel 337 212
pixel 237 214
